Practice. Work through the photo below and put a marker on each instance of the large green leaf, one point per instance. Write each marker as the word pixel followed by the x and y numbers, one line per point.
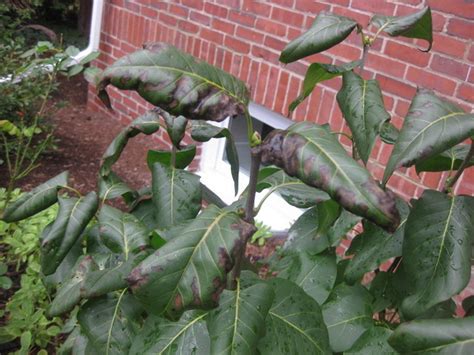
pixel 178 83
pixel 437 249
pixel 447 160
pixel 292 190
pixel 432 126
pixel 319 72
pixel 237 325
pixel 416 25
pixel 326 31
pixel 362 105
pixel 183 157
pixel 110 323
pixel 310 231
pixel 191 269
pixel 314 155
pixel 121 232
pixel 347 314
pixel 374 246
pixel 294 323
pixel 373 342
pixel 112 186
pixel 341 227
pixel 175 126
pixel 145 212
pixel 440 336
pixel 147 123
pixel 189 335
pixel 315 274
pixel 203 132
pixel 73 216
pixel 176 195
pixel 68 294
pixel 37 200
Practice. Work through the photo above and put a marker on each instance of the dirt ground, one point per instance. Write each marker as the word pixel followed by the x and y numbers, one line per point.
pixel 82 137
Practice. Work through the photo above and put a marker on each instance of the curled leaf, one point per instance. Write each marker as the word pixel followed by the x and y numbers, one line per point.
pixel 313 154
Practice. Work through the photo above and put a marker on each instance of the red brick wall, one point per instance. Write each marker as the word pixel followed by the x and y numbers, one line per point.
pixel 245 37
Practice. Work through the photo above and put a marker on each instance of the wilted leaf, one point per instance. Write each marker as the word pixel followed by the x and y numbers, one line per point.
pixel 432 126
pixel 445 336
pixel 416 25
pixel 314 155
pixel 292 190
pixel 189 335
pixel 196 274
pixel 315 274
pixel 147 124
pixel 347 314
pixel 73 216
pixel 176 195
pixel 121 232
pixel 317 73
pixel 294 323
pixel 203 132
pixel 362 106
pixel 374 246
pixel 238 323
pixel 37 200
pixel 326 31
pixel 178 83
pixel 437 249
pixel 183 157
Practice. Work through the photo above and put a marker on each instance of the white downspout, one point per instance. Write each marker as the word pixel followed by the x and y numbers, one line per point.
pixel 94 33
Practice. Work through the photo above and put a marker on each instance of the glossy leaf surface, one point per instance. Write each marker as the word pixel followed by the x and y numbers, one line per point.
pixel 437 249
pixel 314 155
pixel 317 73
pixel 447 160
pixel 36 200
pixel 292 190
pixel 373 342
pixel 188 335
pixel 347 314
pixel 326 31
pixel 294 323
pixel 203 132
pixel 147 123
pixel 416 25
pixel 183 158
pixel 440 336
pixel 432 126
pixel 176 195
pixel 112 186
pixel 73 216
pixel 362 106
pixel 238 323
pixel 191 269
pixel 178 83
pixel 175 126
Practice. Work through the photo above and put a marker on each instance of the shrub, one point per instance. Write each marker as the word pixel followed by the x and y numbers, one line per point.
pixel 166 275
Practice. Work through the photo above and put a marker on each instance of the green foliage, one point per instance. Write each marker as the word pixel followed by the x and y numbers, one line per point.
pixel 165 276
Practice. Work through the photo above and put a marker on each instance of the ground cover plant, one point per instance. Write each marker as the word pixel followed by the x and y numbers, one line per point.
pixel 169 275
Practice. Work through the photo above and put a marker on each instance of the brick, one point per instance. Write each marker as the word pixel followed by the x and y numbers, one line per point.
pixel 178 11
pixel 449 66
pixel 271 27
pixel 227 61
pixel 407 54
pixel 252 81
pixel 265 54
pixel 257 7
pixel 396 87
pixel 262 83
pixel 170 20
pixel 360 17
pixel 401 109
pixel 245 69
pixel 275 43
pixel 461 28
pixel 271 88
pixel 197 4
pixel 449 45
pixel 188 26
pixel 431 81
pixel 281 92
pixel 223 26
pixel 287 17
pixel 438 21
pixel 216 10
pixel 466 92
pixel 462 8
pixel 385 65
pixel 379 7
pixel 211 36
pixel 237 45
pixel 311 6
pixel 251 35
pixel 242 18
pixel 470 56
pixel 199 17
pixel 471 76
pixel 345 51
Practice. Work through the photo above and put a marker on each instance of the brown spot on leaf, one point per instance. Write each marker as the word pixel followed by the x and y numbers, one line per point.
pixel 178 302
pixel 196 293
pixel 136 279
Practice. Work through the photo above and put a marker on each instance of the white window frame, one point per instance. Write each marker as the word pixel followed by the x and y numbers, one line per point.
pixel 215 173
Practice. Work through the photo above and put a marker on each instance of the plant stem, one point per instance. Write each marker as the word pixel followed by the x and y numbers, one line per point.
pixel 173 156
pixel 365 51
pixel 463 166
pixel 395 264
pixel 249 126
pixel 249 212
